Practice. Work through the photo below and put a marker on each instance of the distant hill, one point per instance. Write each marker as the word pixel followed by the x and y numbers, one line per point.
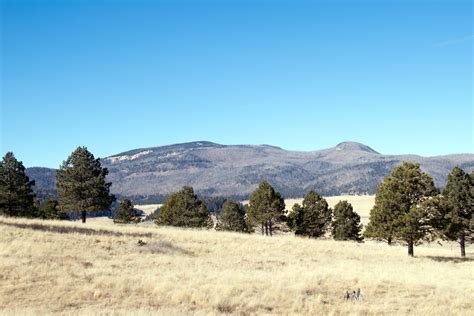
pixel 235 170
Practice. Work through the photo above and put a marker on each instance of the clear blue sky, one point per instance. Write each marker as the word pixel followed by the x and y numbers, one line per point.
pixel 302 75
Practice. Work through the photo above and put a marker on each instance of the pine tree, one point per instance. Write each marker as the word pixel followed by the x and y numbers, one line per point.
pixel 126 213
pixel 455 214
pixel 184 209
pixel 232 217
pixel 382 216
pixel 346 224
pixel 265 208
pixel 311 219
pixel 51 210
pixel 400 210
pixel 16 193
pixel 81 184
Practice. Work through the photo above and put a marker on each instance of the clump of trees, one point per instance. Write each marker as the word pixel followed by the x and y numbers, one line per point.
pixel 81 183
pixel 16 194
pixel 346 224
pixel 408 208
pixel 126 213
pixel 312 218
pixel 232 217
pixel 265 208
pixel 184 209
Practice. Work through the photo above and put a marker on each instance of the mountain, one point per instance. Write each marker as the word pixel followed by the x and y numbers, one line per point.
pixel 235 170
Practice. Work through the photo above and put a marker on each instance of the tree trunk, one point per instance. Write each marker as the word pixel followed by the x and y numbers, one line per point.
pixel 262 228
pixel 271 227
pixel 410 248
pixel 266 228
pixel 389 241
pixel 83 215
pixel 462 241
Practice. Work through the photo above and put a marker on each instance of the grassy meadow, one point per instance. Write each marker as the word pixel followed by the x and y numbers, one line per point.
pixel 49 267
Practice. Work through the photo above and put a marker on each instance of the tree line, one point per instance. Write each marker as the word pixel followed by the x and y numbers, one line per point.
pixel 408 207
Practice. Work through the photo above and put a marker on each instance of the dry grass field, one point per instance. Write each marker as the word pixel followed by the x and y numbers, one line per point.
pixel 49 267
pixel 362 204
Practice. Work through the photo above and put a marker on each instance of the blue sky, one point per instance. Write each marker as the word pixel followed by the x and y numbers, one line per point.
pixel 302 75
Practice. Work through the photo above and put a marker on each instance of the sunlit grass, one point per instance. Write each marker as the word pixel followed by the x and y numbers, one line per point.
pixel 69 270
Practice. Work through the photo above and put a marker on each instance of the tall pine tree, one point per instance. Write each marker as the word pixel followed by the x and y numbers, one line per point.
pixel 16 195
pixel 400 211
pixel 265 207
pixel 312 218
pixel 455 217
pixel 346 224
pixel 81 184
pixel 232 217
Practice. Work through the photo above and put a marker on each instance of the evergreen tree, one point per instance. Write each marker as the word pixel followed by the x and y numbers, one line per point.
pixel 346 224
pixel 126 213
pixel 400 210
pixel 51 210
pixel 311 219
pixel 265 208
pixel 455 214
pixel 232 217
pixel 184 209
pixel 81 184
pixel 382 216
pixel 16 195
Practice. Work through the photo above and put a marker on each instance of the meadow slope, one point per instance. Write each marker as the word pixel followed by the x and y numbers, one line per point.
pixel 72 268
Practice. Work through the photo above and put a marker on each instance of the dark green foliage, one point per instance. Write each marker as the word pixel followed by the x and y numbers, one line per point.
pixel 16 193
pixel 346 224
pixel 265 207
pixel 81 184
pixel 455 212
pixel 400 211
pixel 126 213
pixel 232 217
pixel 184 209
pixel 311 219
pixel 51 210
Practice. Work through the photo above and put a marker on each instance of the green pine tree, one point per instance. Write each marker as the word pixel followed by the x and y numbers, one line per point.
pixel 51 210
pixel 312 218
pixel 126 213
pixel 346 224
pixel 232 218
pixel 184 209
pixel 16 194
pixel 455 216
pixel 401 211
pixel 81 184
pixel 266 207
pixel 382 216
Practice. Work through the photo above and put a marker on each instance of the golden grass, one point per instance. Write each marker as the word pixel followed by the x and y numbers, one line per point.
pixel 147 208
pixel 68 270
pixel 362 204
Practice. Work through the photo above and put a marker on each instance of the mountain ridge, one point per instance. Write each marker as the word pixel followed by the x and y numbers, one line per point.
pixel 235 170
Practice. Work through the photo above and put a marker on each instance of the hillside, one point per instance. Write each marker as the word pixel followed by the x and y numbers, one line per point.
pixel 235 170
pixel 71 268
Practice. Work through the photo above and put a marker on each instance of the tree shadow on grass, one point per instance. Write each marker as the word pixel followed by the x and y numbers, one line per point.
pixel 450 259
pixel 163 247
pixel 73 229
